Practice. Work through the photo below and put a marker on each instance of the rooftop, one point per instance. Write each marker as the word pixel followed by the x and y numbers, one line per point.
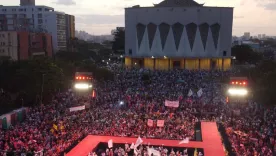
pixel 178 3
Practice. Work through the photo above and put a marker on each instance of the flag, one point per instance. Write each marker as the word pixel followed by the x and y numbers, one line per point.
pixel 199 92
pixel 132 146
pixel 195 152
pixel 185 151
pixel 139 141
pixel 126 146
pixel 154 152
pixel 184 141
pixel 135 151
pixel 55 127
pixel 190 93
pixel 110 143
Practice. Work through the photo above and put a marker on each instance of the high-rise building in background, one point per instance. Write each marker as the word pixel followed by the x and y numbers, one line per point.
pixel 70 26
pixel 246 35
pixel 27 2
pixel 34 18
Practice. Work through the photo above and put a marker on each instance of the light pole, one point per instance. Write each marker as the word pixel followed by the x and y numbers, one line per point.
pixel 22 102
pixel 42 89
pixel 122 60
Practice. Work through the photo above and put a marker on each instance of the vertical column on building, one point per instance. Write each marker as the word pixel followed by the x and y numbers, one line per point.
pixel 184 60
pixel 169 64
pixel 154 64
pixel 222 64
pixel 198 64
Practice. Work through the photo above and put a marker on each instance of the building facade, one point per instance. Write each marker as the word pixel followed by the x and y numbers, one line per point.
pixel 27 2
pixel 29 17
pixel 178 34
pixel 22 45
pixel 70 27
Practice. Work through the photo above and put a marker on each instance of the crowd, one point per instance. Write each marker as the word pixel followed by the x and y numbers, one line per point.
pixel 122 108
pixel 145 150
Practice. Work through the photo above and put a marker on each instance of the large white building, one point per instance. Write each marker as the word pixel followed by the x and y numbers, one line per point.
pixel 32 17
pixel 178 34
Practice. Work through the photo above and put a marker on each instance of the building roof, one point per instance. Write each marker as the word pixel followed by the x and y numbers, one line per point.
pixel 178 3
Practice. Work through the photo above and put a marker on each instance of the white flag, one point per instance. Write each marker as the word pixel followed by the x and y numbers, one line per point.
pixel 190 93
pixel 154 152
pixel 139 141
pixel 135 152
pixel 110 143
pixel 184 141
pixel 200 92
pixel 132 146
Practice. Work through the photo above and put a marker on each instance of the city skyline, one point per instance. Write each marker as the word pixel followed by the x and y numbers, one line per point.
pixel 99 18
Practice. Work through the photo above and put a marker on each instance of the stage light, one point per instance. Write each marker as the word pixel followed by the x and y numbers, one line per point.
pixel 238 92
pixel 82 86
pixel 121 102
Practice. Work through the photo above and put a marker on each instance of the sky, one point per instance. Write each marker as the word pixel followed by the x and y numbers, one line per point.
pixel 101 16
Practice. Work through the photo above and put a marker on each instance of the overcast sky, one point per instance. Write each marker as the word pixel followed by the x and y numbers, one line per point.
pixel 101 16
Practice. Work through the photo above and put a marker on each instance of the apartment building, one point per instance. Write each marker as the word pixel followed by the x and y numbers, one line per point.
pixel 22 45
pixel 70 27
pixel 34 18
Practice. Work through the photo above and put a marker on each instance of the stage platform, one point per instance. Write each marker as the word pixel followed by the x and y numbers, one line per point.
pixel 211 144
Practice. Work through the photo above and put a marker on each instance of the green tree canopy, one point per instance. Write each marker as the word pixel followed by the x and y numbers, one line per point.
pixel 119 40
pixel 245 53
pixel 262 81
pixel 31 77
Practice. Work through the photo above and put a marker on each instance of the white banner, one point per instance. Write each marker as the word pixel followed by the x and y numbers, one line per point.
pixel 154 152
pixel 174 104
pixel 160 123
pixel 72 109
pixel 184 141
pixel 150 122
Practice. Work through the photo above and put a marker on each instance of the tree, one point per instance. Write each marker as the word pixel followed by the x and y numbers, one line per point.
pixel 262 81
pixel 70 56
pixel 245 54
pixel 118 45
pixel 270 42
pixel 31 79
pixel 98 73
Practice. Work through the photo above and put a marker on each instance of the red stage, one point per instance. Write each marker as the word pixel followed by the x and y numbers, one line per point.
pixel 211 143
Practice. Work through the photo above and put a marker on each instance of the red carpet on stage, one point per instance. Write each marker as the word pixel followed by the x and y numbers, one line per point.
pixel 211 143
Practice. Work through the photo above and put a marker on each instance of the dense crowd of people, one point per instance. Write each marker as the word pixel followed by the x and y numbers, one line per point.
pixel 123 106
pixel 145 150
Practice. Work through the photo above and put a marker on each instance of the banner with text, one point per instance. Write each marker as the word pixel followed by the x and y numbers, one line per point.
pixel 160 123
pixel 73 109
pixel 174 104
pixel 150 122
